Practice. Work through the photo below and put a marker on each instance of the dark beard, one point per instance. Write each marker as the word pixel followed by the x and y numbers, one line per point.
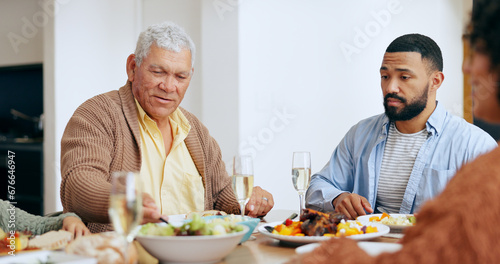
pixel 409 111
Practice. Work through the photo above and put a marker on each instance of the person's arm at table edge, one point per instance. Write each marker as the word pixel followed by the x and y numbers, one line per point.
pixel 331 181
pixel 84 186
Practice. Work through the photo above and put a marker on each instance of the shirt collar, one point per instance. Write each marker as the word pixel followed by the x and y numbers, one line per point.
pixel 141 113
pixel 180 119
pixel 435 122
pixel 177 118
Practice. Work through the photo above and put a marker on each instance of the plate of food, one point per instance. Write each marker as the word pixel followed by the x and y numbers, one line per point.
pixel 397 222
pixel 200 240
pixel 315 226
pixel 22 242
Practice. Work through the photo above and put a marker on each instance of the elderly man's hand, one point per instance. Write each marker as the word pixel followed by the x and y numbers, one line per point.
pixel 150 212
pixel 260 203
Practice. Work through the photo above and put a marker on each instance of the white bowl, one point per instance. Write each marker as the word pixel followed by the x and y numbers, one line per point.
pixel 191 249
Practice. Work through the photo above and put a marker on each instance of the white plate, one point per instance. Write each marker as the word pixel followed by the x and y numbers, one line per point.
pixel 394 228
pixel 382 230
pixel 46 256
pixel 177 218
pixel 371 248
pixel 191 249
pixel 375 248
pixel 306 248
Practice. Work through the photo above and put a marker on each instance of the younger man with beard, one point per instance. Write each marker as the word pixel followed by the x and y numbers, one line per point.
pixel 398 160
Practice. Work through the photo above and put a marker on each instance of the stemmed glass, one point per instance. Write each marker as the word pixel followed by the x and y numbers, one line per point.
pixel 125 206
pixel 242 180
pixel 301 174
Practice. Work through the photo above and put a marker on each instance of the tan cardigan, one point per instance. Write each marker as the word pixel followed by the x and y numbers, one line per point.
pixel 461 225
pixel 103 136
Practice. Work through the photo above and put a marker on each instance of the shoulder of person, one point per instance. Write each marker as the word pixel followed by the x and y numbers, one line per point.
pixel 107 99
pixel 369 125
pixel 103 106
pixel 466 129
pixel 193 120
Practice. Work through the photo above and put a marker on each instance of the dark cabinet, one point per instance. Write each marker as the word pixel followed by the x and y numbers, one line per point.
pixel 28 174
pixel 21 132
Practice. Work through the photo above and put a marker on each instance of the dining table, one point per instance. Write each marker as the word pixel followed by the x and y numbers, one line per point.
pixel 262 249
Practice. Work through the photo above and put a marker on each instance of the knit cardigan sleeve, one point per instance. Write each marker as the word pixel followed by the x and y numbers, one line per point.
pixel 21 220
pixel 87 150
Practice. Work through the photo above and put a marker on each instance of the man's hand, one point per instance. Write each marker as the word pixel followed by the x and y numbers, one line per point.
pixel 150 212
pixel 260 203
pixel 352 205
pixel 75 226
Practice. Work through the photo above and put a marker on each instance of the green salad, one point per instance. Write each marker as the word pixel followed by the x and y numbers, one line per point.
pixel 196 227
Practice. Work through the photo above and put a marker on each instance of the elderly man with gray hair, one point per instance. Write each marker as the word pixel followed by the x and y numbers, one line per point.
pixel 141 128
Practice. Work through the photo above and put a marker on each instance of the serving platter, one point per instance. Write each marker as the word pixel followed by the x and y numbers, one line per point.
pixel 394 228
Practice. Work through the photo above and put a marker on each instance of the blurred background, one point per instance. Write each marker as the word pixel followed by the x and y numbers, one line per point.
pixel 271 76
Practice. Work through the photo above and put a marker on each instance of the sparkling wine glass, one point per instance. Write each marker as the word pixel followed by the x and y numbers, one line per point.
pixel 125 206
pixel 301 174
pixel 242 180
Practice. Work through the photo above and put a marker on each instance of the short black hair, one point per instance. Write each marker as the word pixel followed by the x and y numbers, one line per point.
pixel 428 49
pixel 483 32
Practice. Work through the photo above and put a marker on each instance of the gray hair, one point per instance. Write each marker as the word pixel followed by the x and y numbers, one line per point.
pixel 166 35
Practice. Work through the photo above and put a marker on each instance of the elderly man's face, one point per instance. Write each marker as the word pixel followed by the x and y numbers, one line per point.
pixel 161 81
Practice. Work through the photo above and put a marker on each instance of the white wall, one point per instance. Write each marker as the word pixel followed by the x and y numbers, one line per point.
pixel 21 41
pixel 221 76
pixel 87 45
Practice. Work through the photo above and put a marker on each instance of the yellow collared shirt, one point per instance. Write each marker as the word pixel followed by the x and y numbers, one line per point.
pixel 172 180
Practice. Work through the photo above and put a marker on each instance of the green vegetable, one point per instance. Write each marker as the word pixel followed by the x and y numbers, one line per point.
pixel 197 223
pixel 196 227
pixel 412 219
pixel 151 229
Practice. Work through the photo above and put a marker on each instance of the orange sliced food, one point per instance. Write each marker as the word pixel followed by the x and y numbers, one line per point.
pixel 384 215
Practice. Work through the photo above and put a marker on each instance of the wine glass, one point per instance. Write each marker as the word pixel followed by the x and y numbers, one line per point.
pixel 301 174
pixel 242 180
pixel 125 206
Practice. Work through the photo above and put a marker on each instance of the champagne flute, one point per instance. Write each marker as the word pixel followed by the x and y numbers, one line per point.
pixel 301 174
pixel 125 206
pixel 242 180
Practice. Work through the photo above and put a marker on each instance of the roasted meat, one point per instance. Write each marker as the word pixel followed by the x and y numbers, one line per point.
pixel 316 223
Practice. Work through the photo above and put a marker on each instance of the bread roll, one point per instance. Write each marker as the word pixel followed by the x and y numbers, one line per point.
pixel 50 240
pixel 107 248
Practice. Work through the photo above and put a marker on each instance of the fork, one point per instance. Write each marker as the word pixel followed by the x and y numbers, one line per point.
pixel 382 210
